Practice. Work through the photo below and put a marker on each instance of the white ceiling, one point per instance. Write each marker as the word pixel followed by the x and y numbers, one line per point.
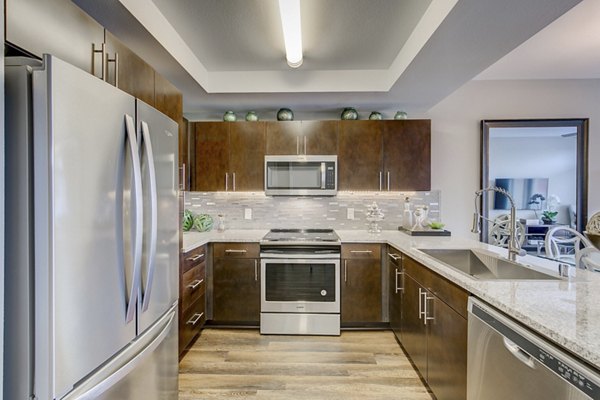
pixel 370 54
pixel 569 48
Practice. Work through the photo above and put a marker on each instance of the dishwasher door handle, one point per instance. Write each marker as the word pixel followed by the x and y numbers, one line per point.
pixel 518 353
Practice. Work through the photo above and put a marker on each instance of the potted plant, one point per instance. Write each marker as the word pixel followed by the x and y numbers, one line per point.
pixel 549 217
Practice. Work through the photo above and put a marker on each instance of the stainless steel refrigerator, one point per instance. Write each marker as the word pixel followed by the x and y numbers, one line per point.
pixel 92 239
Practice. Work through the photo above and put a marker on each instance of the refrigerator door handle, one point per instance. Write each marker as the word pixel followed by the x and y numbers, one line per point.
pixel 97 388
pixel 153 215
pixel 138 220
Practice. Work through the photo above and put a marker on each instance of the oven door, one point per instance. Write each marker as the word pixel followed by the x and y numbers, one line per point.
pixel 300 285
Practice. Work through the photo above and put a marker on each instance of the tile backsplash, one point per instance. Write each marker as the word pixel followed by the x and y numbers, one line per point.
pixel 266 212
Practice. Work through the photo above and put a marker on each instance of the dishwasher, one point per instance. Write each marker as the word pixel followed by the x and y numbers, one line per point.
pixel 508 361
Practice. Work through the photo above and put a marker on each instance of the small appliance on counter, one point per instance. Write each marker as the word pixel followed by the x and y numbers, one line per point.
pixel 300 282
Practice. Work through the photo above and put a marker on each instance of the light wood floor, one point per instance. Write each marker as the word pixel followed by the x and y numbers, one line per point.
pixel 242 364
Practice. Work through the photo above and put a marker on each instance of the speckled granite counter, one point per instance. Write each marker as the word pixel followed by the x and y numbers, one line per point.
pixel 566 311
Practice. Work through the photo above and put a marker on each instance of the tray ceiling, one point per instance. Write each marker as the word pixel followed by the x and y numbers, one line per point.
pixel 371 54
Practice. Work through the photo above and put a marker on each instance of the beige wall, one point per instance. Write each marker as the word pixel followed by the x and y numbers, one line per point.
pixel 456 132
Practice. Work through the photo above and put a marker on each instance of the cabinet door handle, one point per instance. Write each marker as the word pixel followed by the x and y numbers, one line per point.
pixel 256 270
pixel 116 61
pixel 226 181
pixel 304 145
pixel 233 181
pixel 388 180
pixel 401 288
pixel 394 256
pixel 102 51
pixel 421 293
pixel 345 271
pixel 426 312
pixel 361 251
pixel 195 258
pixel 236 251
pixel 195 284
pixel 380 181
pixel 195 318
pixel 297 145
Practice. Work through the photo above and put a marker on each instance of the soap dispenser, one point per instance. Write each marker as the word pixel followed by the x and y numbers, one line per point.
pixel 407 216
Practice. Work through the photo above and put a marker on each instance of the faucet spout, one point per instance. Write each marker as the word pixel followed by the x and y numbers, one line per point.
pixel 514 247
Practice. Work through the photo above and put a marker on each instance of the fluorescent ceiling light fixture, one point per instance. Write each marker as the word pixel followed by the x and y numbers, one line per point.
pixel 289 10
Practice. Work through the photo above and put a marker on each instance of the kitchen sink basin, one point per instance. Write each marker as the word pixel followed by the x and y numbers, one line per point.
pixel 485 266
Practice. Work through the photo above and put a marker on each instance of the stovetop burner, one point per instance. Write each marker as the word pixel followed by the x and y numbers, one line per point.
pixel 301 235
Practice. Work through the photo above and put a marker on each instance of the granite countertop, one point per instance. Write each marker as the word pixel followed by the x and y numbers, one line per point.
pixel 565 311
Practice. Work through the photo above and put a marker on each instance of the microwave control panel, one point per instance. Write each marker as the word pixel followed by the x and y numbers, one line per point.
pixel 330 175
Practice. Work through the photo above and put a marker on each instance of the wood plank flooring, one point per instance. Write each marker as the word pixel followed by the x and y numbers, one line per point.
pixel 242 364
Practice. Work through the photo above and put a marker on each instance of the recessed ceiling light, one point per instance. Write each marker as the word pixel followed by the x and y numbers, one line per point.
pixel 289 10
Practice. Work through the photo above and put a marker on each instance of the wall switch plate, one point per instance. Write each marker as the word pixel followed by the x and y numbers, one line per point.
pixel 350 213
pixel 247 213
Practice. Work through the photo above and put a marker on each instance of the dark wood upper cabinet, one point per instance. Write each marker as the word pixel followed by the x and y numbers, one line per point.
pixel 283 137
pixel 136 77
pixel 321 137
pixel 247 142
pixel 360 155
pixel 211 145
pixel 407 154
pixel 302 137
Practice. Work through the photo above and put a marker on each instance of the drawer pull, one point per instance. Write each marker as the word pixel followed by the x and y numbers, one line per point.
pixel 195 284
pixel 394 256
pixel 236 251
pixel 196 257
pixel 195 318
pixel 361 251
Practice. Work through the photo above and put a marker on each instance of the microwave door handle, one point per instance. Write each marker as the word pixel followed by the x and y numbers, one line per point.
pixel 323 176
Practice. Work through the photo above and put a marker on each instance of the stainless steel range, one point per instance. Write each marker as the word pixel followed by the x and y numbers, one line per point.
pixel 300 282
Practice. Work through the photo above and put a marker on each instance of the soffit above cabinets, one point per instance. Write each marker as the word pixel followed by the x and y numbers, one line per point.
pixel 371 54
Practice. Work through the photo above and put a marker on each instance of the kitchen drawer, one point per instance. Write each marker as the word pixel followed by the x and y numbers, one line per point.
pixel 236 250
pixel 194 257
pixel 445 290
pixel 191 323
pixel 194 285
pixel 370 251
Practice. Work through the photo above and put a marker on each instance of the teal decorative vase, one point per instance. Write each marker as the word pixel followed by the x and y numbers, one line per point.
pixel 251 116
pixel 401 115
pixel 349 113
pixel 375 115
pixel 285 114
pixel 229 116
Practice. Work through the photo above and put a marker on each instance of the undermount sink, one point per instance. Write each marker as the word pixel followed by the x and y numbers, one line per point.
pixel 484 265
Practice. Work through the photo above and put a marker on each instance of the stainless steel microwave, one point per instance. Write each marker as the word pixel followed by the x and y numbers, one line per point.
pixel 300 175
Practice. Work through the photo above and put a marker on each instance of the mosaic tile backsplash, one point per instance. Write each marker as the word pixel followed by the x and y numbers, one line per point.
pixel 267 212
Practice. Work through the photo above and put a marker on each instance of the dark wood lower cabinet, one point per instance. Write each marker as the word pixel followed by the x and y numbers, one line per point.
pixel 361 291
pixel 414 331
pixel 447 352
pixel 434 329
pixel 236 290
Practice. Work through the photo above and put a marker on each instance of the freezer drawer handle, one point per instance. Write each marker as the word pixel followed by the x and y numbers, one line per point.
pixel 195 318
pixel 96 390
pixel 518 353
pixel 196 257
pixel 195 284
pixel 153 215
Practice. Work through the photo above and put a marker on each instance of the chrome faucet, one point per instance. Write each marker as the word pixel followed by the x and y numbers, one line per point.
pixel 514 248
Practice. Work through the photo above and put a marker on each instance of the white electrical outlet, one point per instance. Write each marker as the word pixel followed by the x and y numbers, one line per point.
pixel 247 213
pixel 350 213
